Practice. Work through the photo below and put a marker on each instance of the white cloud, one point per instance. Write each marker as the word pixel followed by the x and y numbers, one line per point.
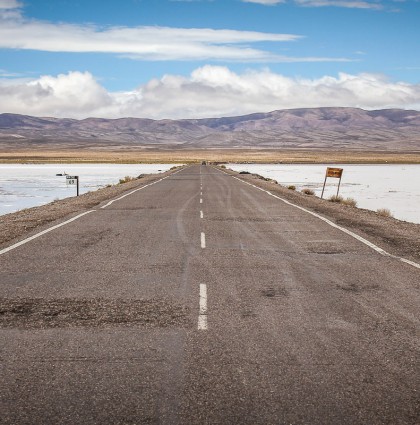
pixel 141 43
pixel 144 43
pixel 10 10
pixel 9 4
pixel 148 43
pixel 74 94
pixel 210 91
pixel 341 3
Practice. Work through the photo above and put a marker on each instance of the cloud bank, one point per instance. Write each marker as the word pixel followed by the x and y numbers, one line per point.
pixel 143 43
pixel 151 43
pixel 210 91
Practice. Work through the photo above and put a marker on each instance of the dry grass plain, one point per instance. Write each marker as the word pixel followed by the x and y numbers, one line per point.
pixel 212 155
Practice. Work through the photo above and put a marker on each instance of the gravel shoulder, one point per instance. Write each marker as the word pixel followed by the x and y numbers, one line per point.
pixel 22 224
pixel 397 237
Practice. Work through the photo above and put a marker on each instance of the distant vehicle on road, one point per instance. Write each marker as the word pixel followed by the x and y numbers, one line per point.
pixel 203 162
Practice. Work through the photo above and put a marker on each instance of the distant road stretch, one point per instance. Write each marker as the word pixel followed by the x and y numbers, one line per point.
pixel 199 299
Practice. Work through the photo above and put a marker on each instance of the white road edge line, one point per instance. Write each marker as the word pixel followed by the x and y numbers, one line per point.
pixel 343 229
pixel 16 245
pixel 128 194
pixel 201 214
pixel 404 260
pixel 203 240
pixel 140 188
pixel 202 317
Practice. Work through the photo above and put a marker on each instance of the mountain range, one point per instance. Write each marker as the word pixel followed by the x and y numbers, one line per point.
pixel 311 128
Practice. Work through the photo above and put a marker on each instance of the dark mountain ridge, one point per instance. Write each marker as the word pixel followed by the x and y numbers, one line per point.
pixel 350 128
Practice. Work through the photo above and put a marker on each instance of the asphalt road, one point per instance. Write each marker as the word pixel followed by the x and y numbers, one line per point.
pixel 202 300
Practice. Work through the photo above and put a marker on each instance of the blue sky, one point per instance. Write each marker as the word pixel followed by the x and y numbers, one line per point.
pixel 196 58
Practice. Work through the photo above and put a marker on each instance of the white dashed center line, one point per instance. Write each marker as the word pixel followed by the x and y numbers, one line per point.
pixel 202 317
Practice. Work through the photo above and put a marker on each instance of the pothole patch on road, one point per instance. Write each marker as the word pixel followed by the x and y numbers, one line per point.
pixel 272 292
pixel 358 288
pixel 41 313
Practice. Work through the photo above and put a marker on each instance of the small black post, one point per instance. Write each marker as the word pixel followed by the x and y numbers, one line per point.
pixel 325 180
pixel 77 185
pixel 338 188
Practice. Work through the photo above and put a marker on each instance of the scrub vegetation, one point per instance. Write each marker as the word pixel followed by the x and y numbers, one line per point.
pixel 345 201
pixel 126 179
pixel 384 212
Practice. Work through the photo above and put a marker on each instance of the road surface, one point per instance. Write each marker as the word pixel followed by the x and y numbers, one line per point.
pixel 202 300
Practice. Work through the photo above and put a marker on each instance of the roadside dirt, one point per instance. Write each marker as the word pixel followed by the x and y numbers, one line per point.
pixel 394 236
pixel 23 224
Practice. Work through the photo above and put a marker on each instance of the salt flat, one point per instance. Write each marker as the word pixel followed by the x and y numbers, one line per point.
pixel 396 187
pixel 30 185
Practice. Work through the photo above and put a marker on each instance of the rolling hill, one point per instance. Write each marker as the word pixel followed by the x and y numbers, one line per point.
pixel 315 128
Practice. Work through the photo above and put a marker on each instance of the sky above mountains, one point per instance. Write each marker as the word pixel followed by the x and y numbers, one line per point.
pixel 206 58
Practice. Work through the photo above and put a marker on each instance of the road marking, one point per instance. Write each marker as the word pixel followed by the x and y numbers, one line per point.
pixel 3 251
pixel 130 193
pixel 201 214
pixel 203 240
pixel 326 220
pixel 404 260
pixel 203 298
pixel 201 200
pixel 201 193
pixel 140 188
pixel 202 317
pixel 202 323
pixel 31 238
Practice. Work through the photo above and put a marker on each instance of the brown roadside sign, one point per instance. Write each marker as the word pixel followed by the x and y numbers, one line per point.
pixel 334 172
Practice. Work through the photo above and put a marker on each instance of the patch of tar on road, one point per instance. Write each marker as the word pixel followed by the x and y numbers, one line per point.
pixel 36 313
pixel 272 292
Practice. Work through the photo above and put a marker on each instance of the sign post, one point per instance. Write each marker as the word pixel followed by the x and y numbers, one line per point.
pixel 73 180
pixel 333 172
